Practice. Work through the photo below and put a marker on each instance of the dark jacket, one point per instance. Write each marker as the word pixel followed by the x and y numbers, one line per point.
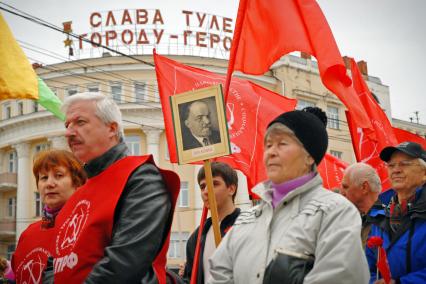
pixel 225 225
pixel 189 141
pixel 140 221
pixel 406 248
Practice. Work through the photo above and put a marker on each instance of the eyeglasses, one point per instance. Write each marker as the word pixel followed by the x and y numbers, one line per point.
pixel 402 164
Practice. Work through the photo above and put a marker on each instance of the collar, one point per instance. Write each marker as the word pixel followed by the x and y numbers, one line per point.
pixel 281 190
pixel 101 163
pixel 264 189
pixel 200 139
pixel 228 221
pixel 380 208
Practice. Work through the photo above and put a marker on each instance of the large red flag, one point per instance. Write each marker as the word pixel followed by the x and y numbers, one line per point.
pixel 404 135
pixel 265 30
pixel 366 149
pixel 331 170
pixel 249 108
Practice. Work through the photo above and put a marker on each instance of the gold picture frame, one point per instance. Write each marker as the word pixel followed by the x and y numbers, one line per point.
pixel 200 125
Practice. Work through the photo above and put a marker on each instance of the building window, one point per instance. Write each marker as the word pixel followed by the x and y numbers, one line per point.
pixel 333 117
pixel 11 207
pixel 301 104
pixel 10 250
pixel 38 205
pixel 13 162
pixel 93 88
pixel 140 92
pixel 35 106
pixel 177 247
pixel 134 144
pixel 41 147
pixel 7 110
pixel 184 194
pixel 156 93
pixel 20 108
pixel 337 154
pixel 72 90
pixel 116 91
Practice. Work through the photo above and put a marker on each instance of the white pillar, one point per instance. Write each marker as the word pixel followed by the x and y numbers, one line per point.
pixel 153 142
pixel 23 198
pixel 58 142
pixel 198 202
pixel 2 159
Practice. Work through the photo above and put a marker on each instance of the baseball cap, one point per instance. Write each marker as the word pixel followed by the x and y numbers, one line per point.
pixel 410 148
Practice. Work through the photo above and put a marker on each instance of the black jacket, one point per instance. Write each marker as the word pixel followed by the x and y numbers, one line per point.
pixel 141 218
pixel 225 225
pixel 190 142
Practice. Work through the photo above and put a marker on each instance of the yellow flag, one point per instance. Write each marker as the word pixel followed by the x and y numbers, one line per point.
pixel 17 77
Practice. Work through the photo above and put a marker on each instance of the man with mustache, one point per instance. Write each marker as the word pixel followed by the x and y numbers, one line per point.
pixel 125 209
pixel 198 131
pixel 401 222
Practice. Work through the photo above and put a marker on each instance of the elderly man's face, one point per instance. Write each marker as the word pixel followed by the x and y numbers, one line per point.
pixel 88 137
pixel 405 172
pixel 198 120
pixel 360 195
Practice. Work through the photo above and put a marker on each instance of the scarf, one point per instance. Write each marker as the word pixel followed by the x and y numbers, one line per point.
pixel 282 189
pixel 398 209
pixel 49 215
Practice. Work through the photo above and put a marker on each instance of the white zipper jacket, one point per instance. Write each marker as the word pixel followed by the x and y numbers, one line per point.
pixel 309 221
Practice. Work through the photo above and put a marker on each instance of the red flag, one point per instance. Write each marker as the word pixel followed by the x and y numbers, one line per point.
pixel 366 149
pixel 265 30
pixel 331 170
pixel 249 109
pixel 403 135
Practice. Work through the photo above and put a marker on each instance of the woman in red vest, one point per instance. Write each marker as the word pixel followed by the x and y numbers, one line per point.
pixel 58 174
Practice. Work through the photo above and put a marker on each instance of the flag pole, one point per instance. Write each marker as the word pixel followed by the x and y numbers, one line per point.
pixel 235 43
pixel 198 247
pixel 212 201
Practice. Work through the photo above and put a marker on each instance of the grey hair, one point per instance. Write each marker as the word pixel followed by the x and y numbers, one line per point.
pixel 361 172
pixel 105 108
pixel 422 162
pixel 280 129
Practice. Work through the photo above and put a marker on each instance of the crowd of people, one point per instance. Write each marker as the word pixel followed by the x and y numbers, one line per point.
pixel 107 216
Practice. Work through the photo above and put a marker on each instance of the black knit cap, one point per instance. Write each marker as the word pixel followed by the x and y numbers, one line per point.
pixel 309 126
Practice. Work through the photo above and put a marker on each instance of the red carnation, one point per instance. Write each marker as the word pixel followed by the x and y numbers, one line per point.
pixel 374 241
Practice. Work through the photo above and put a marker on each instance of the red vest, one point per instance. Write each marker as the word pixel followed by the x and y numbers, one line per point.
pixel 84 225
pixel 30 258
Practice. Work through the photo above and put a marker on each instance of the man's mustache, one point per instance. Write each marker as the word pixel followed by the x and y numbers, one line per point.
pixel 74 140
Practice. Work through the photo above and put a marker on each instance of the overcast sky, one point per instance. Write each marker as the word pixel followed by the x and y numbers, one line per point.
pixel 389 34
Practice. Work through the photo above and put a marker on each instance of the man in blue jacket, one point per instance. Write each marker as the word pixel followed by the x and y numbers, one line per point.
pixel 401 221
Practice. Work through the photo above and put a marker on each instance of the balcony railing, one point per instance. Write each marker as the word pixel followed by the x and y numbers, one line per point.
pixel 7 227
pixel 8 181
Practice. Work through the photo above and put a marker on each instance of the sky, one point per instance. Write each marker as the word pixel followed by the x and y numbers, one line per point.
pixel 389 34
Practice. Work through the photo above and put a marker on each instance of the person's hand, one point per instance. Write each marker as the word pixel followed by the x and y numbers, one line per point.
pixel 382 281
pixel 181 269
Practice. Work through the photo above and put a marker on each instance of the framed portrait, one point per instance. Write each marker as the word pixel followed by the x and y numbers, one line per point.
pixel 200 124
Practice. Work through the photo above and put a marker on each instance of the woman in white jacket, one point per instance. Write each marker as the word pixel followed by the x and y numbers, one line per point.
pixel 300 232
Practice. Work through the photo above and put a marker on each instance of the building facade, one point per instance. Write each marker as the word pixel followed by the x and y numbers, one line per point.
pixel 26 128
